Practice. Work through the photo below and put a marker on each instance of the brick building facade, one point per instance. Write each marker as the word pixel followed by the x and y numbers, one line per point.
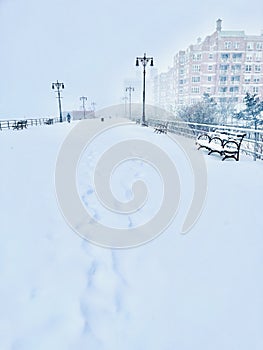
pixel 226 64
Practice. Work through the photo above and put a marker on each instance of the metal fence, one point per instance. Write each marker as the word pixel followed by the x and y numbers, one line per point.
pixel 252 144
pixel 11 124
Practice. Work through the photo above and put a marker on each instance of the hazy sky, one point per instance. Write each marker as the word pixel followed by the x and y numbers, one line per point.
pixel 91 46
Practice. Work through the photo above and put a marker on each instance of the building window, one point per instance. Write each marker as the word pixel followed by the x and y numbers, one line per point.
pixel 245 89
pixel 209 78
pixel 236 45
pixel 259 46
pixel 210 68
pixel 249 58
pixel 223 67
pixel 195 90
pixel 222 99
pixel 247 79
pixel 234 89
pixel 233 99
pixel 195 79
pixel 237 57
pixel 235 78
pixel 255 89
pixel 236 68
pixel 211 56
pixel 250 46
pixel 197 56
pixel 223 79
pixel 222 89
pixel 248 68
pixel 257 68
pixel 196 68
pixel 256 80
pixel 258 56
pixel 225 56
pixel 228 44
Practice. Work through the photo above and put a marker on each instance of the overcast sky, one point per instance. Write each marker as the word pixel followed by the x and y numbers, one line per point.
pixel 91 46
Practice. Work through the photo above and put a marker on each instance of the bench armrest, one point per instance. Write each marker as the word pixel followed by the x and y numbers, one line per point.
pixel 204 137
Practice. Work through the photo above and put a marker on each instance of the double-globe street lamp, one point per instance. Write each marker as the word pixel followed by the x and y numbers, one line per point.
pixel 144 60
pixel 58 87
pixel 83 99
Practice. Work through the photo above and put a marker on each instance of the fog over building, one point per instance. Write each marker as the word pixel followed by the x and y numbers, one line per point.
pixel 137 84
pixel 226 64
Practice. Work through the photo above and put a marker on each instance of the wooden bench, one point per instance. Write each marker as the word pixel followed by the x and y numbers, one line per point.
pixel 21 124
pixel 227 144
pixel 49 121
pixel 161 128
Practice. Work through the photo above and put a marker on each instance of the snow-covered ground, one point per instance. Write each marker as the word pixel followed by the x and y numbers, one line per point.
pixel 201 291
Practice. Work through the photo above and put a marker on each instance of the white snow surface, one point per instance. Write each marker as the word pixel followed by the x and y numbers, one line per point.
pixel 201 291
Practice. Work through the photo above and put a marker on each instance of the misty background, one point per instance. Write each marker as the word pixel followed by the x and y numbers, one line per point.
pixel 91 46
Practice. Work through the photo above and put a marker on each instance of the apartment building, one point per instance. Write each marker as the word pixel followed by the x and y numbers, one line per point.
pixel 226 64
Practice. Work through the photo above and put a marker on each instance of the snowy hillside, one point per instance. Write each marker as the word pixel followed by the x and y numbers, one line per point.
pixel 200 291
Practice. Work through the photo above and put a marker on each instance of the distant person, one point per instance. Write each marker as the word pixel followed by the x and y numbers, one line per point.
pixel 68 118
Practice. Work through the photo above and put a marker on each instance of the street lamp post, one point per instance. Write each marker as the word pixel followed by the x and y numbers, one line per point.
pixel 93 104
pixel 83 99
pixel 144 60
pixel 130 89
pixel 125 98
pixel 58 86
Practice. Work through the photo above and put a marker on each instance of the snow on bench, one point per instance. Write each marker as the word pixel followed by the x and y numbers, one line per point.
pixel 21 124
pixel 161 128
pixel 227 144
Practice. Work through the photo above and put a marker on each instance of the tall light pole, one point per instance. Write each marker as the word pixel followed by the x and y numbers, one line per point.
pixel 93 104
pixel 125 98
pixel 130 89
pixel 58 86
pixel 83 99
pixel 144 60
